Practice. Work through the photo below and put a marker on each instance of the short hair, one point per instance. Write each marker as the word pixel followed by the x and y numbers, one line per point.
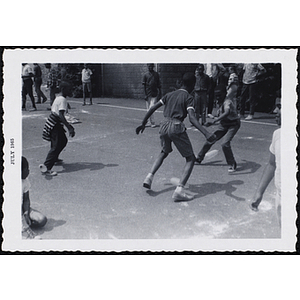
pixel 48 66
pixel 201 65
pixel 149 65
pixel 189 79
pixel 64 85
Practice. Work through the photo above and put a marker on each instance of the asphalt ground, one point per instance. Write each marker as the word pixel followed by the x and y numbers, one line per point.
pixel 98 192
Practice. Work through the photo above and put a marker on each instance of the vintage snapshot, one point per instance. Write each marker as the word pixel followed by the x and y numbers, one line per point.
pixel 150 150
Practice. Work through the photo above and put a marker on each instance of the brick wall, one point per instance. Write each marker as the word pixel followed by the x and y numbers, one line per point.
pixel 125 80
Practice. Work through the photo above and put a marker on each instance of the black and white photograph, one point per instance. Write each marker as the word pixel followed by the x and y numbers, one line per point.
pixel 150 150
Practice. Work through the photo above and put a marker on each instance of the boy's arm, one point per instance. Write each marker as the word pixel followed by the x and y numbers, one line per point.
pixel 66 123
pixel 222 116
pixel 266 178
pixel 192 117
pixel 152 109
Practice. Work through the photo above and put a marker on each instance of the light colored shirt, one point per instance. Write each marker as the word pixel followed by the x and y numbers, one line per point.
pixel 275 149
pixel 251 72
pixel 86 75
pixel 60 103
pixel 27 71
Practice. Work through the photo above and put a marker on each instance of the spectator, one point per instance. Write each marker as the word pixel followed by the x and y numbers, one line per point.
pixel 232 86
pixel 152 88
pixel 252 72
pixel 201 89
pixel 38 82
pixel 27 75
pixel 86 83
pixel 52 83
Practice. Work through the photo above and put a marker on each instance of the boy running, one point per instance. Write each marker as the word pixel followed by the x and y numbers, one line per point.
pixel 178 105
pixel 228 127
pixel 54 129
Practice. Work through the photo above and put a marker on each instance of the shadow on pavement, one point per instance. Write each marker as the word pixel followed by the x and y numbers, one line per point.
pixel 213 188
pixel 244 167
pixel 156 193
pixel 84 165
pixel 50 225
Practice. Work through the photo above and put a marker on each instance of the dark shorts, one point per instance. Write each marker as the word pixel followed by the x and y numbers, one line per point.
pixel 175 133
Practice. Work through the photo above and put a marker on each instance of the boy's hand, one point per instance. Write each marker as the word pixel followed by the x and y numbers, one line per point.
pixel 72 131
pixel 140 129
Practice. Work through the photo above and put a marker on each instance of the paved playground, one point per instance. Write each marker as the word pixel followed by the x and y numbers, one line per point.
pixel 98 192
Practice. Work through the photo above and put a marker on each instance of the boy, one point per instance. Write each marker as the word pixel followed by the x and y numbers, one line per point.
pixel 54 131
pixel 86 83
pixel 201 90
pixel 152 89
pixel 272 169
pixel 228 127
pixel 178 105
pixel 27 75
pixel 30 217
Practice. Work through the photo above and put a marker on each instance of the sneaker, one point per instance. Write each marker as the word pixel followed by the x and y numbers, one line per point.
pixel 148 181
pixel 83 104
pixel 181 195
pixel 33 109
pixel 48 108
pixel 23 108
pixel 153 126
pixel 250 117
pixel 232 168
pixel 44 100
pixel 39 102
pixel 46 172
pixel 198 161
pixel 253 206
pixel 91 103
pixel 210 116
pixel 50 173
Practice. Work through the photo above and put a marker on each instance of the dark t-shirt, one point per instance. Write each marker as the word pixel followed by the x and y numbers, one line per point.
pixel 177 104
pixel 37 71
pixel 152 83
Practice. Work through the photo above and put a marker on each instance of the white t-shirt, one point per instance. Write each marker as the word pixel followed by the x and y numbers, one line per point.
pixel 275 149
pixel 60 103
pixel 86 75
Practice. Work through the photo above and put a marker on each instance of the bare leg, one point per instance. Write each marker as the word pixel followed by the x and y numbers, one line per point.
pixel 188 168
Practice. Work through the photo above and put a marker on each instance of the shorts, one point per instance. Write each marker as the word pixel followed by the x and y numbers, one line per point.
pixel 175 131
pixel 87 86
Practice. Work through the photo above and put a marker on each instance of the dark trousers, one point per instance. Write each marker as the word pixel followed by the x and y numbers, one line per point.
pixel 249 91
pixel 58 143
pixel 211 96
pixel 27 90
pixel 228 131
pixel 52 95
pixel 200 105
pixel 37 85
